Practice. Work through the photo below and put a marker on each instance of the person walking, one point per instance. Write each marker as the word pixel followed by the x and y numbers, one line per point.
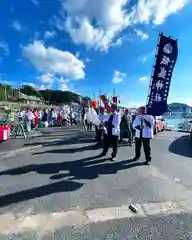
pixel 101 129
pixel 125 127
pixel 143 125
pixel 113 132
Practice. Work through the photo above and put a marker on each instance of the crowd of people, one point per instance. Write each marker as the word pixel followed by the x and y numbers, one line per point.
pixel 48 117
pixel 110 129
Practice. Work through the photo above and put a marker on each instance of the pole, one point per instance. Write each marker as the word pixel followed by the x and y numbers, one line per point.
pixel 99 97
pixel 5 92
pixel 154 64
pixel 113 95
pixel 114 92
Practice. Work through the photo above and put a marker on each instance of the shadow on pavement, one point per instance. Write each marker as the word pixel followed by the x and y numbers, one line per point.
pixel 181 146
pixel 62 186
pixel 87 168
pixel 70 150
pixel 64 141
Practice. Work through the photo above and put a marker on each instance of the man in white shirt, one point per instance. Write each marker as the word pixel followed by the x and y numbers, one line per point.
pixel 113 133
pixel 143 125
pixel 101 129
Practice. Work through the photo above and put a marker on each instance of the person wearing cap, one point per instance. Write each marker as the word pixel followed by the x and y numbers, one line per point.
pixel 111 137
pixel 143 125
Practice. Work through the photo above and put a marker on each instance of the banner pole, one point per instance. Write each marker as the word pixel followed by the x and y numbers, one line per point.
pixel 152 73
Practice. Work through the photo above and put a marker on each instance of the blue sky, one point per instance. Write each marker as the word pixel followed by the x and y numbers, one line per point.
pixel 89 45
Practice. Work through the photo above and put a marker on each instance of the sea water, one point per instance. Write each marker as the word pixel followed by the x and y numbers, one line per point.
pixel 176 121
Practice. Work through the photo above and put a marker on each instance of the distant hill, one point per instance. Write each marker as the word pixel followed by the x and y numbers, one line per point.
pixel 178 107
pixel 54 97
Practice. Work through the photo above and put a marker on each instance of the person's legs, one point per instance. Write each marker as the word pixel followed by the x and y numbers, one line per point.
pixel 147 149
pixel 138 143
pixel 114 142
pixel 121 135
pixel 98 134
pixel 106 144
pixel 130 137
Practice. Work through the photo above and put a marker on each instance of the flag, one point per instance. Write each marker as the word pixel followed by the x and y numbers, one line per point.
pixel 161 79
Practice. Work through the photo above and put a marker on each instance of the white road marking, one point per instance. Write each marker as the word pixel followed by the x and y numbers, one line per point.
pixel 49 222
pixel 177 180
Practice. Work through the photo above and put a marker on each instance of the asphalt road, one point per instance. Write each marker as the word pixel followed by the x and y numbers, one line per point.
pixel 63 191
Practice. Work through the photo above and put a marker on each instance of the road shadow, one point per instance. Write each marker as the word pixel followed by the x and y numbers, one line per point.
pixel 69 150
pixel 83 169
pixel 64 141
pixel 181 146
pixel 62 186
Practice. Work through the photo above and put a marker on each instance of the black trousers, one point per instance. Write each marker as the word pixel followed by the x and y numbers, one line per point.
pixel 146 148
pixel 89 126
pixel 99 134
pixel 110 140
pixel 127 133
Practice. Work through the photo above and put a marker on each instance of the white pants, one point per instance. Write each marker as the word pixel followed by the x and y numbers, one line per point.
pixel 28 126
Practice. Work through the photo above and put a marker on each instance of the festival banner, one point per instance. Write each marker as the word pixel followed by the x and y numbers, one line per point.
pixel 161 78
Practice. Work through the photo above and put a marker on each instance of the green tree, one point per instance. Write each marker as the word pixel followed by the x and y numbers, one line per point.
pixel 30 91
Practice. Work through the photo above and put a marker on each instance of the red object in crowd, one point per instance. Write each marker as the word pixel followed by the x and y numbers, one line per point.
pixel 36 119
pixel 114 99
pixel 107 107
pixel 59 117
pixel 5 132
pixel 94 104
pixel 103 98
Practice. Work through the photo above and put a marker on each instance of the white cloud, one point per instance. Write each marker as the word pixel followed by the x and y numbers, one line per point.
pixel 57 22
pixel 141 34
pixel 147 56
pixel 5 47
pixel 35 2
pixel 87 60
pixel 109 15
pixel 49 34
pixel 47 80
pixel 144 79
pixel 54 61
pixel 118 77
pixel 16 26
pixel 97 23
pixel 35 85
pixel 63 84
pixel 157 11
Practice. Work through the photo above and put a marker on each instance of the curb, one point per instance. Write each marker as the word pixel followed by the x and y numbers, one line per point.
pixel 13 153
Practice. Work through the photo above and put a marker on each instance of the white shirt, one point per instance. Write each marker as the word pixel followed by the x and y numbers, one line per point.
pixel 116 123
pixel 30 116
pixel 147 131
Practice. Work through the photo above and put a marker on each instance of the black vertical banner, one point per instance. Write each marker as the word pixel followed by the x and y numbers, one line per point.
pixel 161 79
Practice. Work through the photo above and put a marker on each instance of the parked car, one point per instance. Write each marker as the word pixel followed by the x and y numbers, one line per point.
pixel 159 125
